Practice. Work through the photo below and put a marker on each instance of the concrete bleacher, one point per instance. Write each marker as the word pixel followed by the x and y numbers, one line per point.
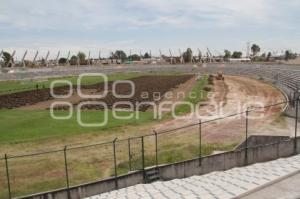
pixel 222 184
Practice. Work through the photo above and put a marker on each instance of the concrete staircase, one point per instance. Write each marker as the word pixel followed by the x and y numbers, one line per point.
pixel 216 185
pixel 152 175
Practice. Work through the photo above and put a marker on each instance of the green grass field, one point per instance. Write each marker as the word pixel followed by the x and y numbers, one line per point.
pixel 30 125
pixel 196 95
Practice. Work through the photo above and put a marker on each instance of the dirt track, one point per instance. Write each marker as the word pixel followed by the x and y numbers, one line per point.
pixel 232 96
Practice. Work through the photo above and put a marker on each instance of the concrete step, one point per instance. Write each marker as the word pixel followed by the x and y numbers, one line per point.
pixel 152 175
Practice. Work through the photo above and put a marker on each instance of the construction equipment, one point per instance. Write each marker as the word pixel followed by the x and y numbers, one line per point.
pixel 171 57
pixel 46 58
pixel 209 55
pixel 220 76
pixel 199 55
pixel 68 58
pixel 23 59
pixel 57 58
pixel 35 56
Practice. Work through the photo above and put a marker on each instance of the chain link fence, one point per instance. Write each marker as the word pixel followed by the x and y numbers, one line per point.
pixel 27 174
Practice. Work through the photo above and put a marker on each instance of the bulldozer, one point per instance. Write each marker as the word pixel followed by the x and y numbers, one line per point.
pixel 220 76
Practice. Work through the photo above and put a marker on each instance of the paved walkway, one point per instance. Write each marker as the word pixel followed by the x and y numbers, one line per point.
pixel 216 185
pixel 288 188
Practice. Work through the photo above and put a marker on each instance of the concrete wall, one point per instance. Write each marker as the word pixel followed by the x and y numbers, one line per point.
pixel 93 188
pixel 217 162
pixel 257 140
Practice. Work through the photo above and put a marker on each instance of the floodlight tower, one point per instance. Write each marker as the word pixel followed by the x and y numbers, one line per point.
pixel 57 57
pixel 160 54
pixel 99 57
pixel 140 54
pixel 192 57
pixel 89 58
pixel 35 56
pixel 11 60
pixel 171 56
pixel 209 55
pixel 23 59
pixel 0 56
pixel 199 55
pixel 111 57
pixel 46 58
pixel 248 50
pixel 181 56
pixel 78 59
pixel 68 58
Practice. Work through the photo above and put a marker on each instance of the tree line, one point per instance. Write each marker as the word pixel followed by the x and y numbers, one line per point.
pixel 186 56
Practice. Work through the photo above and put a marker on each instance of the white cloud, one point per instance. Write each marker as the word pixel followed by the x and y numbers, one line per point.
pixel 94 13
pixel 217 12
pixel 31 20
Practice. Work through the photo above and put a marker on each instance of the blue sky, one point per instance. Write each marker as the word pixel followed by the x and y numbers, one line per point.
pixel 148 25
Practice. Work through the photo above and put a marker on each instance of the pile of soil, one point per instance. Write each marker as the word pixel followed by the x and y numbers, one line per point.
pixel 147 89
pixel 24 98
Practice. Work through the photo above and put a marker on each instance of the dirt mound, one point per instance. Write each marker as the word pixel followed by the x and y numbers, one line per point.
pixel 25 98
pixel 147 89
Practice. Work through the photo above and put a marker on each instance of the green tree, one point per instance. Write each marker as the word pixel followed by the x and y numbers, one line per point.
pixel 255 49
pixel 134 57
pixel 43 62
pixel 188 56
pixel 6 59
pixel 237 54
pixel 147 56
pixel 73 60
pixel 227 54
pixel 269 56
pixel 81 56
pixel 289 55
pixel 62 60
pixel 119 54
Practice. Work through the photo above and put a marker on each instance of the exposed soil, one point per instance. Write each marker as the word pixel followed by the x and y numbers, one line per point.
pixel 177 94
pixel 27 98
pixel 232 96
pixel 147 89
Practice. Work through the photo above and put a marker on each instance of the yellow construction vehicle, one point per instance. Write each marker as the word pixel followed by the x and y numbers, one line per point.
pixel 220 76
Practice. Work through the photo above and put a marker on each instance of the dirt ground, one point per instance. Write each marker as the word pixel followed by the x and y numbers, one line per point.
pixel 177 94
pixel 234 95
pixel 148 89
